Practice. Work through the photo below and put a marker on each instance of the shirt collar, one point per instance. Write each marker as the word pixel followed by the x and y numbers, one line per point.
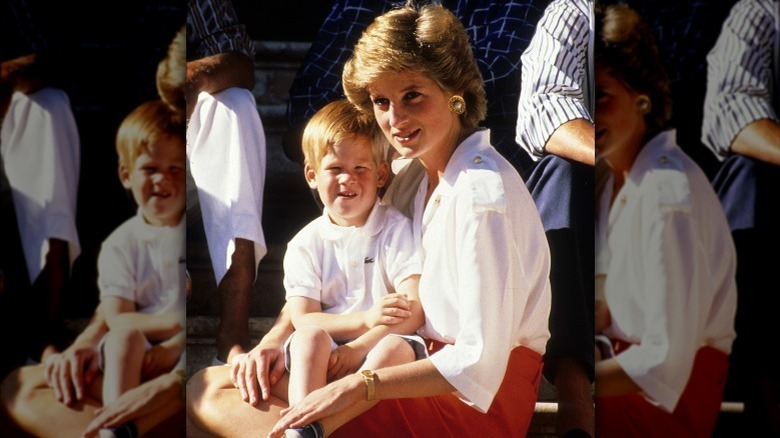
pixel 146 231
pixel 374 224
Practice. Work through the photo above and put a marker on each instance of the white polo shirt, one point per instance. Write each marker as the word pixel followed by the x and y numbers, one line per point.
pixel 669 261
pixel 144 264
pixel 348 269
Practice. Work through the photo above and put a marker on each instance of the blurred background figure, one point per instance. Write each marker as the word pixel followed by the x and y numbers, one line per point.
pixel 226 159
pixel 665 261
pixel 40 149
pixel 741 127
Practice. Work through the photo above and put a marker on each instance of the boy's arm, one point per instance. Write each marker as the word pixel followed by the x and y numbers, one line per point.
pixel 307 311
pixel 120 313
pixel 392 310
pixel 408 287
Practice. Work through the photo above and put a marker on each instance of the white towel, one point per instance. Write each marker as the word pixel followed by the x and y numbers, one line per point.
pixel 40 146
pixel 227 154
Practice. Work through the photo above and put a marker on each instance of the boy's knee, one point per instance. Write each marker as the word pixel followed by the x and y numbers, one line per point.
pixel 310 337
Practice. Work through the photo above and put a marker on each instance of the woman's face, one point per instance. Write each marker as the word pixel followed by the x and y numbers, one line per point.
pixel 620 125
pixel 414 115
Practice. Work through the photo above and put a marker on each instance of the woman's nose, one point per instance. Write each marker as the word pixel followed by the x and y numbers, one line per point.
pixel 397 114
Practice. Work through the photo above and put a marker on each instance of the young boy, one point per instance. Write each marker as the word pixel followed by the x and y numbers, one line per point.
pixel 141 264
pixel 351 275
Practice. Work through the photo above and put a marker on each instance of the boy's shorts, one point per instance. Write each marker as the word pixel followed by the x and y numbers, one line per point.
pixel 416 342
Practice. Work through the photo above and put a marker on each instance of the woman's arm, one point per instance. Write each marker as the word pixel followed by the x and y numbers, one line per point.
pixel 414 379
pixel 146 405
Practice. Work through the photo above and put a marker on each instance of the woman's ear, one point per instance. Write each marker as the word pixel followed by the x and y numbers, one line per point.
pixel 382 173
pixel 124 176
pixel 311 176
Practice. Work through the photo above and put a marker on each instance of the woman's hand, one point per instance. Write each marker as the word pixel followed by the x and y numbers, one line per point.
pixel 324 402
pixel 255 372
pixel 391 309
pixel 160 394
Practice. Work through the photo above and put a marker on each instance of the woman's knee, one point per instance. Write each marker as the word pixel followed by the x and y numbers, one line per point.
pixel 18 390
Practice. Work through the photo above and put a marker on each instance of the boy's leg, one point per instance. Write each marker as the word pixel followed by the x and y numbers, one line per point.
pixel 122 359
pixel 309 349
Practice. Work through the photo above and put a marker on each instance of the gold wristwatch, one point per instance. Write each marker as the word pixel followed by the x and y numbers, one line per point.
pixel 368 377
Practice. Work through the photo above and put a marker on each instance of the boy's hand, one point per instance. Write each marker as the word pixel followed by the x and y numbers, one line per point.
pixel 68 373
pixel 344 360
pixel 391 309
pixel 158 360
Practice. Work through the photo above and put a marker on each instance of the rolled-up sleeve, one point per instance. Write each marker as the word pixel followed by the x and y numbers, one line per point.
pixel 554 75
pixel 739 75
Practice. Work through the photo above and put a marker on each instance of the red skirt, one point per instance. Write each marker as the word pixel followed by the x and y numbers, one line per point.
pixel 694 416
pixel 446 415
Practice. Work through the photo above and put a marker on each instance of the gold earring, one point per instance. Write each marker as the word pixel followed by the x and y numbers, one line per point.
pixel 457 105
pixel 644 104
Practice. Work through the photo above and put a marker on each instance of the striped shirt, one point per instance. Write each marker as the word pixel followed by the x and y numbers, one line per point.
pixel 499 33
pixel 556 74
pixel 212 28
pixel 740 80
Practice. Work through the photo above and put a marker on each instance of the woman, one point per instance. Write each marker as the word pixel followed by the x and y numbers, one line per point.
pixel 484 284
pixel 664 252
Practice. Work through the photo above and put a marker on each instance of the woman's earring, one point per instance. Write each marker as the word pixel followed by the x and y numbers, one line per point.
pixel 457 105
pixel 644 104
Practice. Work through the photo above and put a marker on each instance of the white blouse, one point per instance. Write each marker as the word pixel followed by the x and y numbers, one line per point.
pixel 669 261
pixel 41 152
pixel 485 285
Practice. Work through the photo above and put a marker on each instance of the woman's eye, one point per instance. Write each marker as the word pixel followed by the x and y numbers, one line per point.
pixel 380 101
pixel 411 95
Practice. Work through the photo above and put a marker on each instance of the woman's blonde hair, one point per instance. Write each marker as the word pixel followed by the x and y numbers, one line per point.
pixel 335 122
pixel 626 48
pixel 428 39
pixel 146 124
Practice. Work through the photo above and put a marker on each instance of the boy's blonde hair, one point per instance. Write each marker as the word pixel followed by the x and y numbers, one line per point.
pixel 335 122
pixel 144 125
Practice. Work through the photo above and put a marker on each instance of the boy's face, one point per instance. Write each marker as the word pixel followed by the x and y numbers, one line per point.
pixel 157 181
pixel 347 180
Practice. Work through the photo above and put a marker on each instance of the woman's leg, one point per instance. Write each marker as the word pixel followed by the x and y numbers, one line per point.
pixel 31 405
pixel 215 408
